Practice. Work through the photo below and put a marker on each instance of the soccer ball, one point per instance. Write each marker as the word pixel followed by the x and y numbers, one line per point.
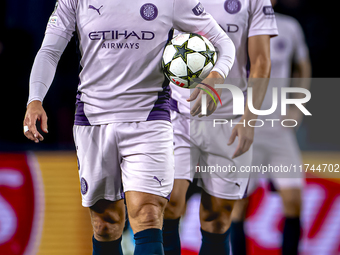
pixel 187 59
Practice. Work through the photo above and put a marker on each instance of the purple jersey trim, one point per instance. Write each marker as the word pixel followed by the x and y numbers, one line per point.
pixel 161 109
pixel 168 197
pixel 80 117
pixel 245 195
pixel 174 105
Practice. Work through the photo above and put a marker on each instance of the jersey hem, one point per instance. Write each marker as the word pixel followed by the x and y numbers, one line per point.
pixel 97 123
pixel 270 32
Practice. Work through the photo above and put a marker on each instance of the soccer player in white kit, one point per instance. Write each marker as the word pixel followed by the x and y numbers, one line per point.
pixel 277 145
pixel 122 130
pixel 249 24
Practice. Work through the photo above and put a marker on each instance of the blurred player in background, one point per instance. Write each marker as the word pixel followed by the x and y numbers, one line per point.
pixel 250 24
pixel 122 130
pixel 278 146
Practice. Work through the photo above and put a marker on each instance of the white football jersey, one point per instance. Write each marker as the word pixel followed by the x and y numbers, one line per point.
pixel 287 48
pixel 240 19
pixel 121 44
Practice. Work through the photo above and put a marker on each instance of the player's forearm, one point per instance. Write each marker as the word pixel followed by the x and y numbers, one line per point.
pixel 258 81
pixel 45 65
pixel 226 55
pixel 224 45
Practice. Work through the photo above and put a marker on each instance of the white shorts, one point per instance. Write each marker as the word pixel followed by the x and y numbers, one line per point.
pixel 120 157
pixel 198 146
pixel 277 147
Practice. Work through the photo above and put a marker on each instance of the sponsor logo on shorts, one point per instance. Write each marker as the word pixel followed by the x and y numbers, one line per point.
pixel 232 6
pixel 149 12
pixel 96 9
pixel 198 9
pixel 159 181
pixel 83 186
pixel 268 10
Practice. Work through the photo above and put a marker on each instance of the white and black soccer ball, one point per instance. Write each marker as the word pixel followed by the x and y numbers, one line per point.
pixel 188 58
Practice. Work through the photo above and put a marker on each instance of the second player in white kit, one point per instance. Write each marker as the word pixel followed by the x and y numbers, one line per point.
pixel 198 143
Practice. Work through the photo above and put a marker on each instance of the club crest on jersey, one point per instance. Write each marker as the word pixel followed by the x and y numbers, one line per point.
pixel 232 6
pixel 198 9
pixel 280 45
pixel 149 11
pixel 83 186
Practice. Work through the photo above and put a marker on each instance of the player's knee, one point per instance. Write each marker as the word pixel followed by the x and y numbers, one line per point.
pixel 292 206
pixel 216 221
pixel 240 210
pixel 108 219
pixel 175 207
pixel 108 226
pixel 147 215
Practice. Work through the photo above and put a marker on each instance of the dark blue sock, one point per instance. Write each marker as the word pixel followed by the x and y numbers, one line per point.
pixel 149 242
pixel 171 241
pixel 216 244
pixel 238 238
pixel 291 236
pixel 107 248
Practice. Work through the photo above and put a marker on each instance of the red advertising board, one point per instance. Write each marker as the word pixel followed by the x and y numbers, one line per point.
pixel 21 204
pixel 320 221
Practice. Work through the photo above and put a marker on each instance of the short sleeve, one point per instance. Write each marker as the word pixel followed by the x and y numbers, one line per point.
pixel 62 22
pixel 262 18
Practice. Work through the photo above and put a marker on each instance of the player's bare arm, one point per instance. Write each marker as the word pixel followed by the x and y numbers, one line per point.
pixel 260 64
pixel 303 71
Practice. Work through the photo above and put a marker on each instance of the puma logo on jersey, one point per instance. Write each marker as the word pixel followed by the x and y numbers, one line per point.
pixel 160 181
pixel 94 8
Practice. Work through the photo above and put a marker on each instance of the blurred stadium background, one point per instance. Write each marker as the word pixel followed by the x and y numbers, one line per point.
pixel 40 203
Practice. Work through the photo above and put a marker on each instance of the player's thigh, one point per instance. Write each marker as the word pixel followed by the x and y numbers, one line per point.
pixel 98 163
pixel 176 206
pixel 182 146
pixel 221 175
pixel 147 157
pixel 108 219
pixel 215 213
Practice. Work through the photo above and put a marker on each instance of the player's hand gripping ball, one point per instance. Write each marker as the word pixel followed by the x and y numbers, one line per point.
pixel 187 59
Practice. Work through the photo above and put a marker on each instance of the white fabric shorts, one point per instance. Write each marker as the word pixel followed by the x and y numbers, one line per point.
pixel 201 150
pixel 120 157
pixel 277 149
